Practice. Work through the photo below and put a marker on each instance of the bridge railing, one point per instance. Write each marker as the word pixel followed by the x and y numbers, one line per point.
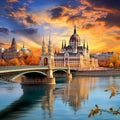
pixel 20 67
pixel 35 67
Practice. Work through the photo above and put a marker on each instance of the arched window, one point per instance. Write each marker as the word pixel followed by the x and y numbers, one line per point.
pixel 45 61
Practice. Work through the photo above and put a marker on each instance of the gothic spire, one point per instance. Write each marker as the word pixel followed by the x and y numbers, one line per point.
pixel 65 44
pixel 74 29
pixel 13 44
pixel 44 49
pixel 87 47
pixel 50 45
pixel 84 44
pixel 23 45
pixel 62 45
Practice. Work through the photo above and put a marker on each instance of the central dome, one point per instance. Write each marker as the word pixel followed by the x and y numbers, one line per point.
pixel 75 37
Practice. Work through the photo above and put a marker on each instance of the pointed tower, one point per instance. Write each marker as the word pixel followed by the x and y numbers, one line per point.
pixel 62 45
pixel 47 57
pixel 50 49
pixel 84 44
pixel 62 48
pixel 74 29
pixel 44 48
pixel 87 48
pixel 13 44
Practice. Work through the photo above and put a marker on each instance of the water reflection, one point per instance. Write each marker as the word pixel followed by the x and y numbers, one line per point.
pixel 31 95
pixel 52 101
pixel 77 91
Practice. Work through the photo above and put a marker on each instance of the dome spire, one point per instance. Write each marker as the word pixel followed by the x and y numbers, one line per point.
pixel 23 45
pixel 74 29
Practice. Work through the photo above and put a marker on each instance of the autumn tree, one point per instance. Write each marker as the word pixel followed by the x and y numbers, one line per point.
pixel 32 60
pixel 14 62
pixel 2 62
pixel 104 63
pixel 115 60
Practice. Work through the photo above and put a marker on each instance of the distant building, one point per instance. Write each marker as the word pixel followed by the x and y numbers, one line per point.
pixel 24 51
pixel 12 52
pixel 74 55
pixel 103 55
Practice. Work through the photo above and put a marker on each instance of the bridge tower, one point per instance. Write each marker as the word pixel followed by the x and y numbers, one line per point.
pixel 47 57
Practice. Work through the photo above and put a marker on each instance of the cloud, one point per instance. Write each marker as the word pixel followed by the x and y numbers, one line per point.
pixel 88 26
pixel 56 12
pixel 112 8
pixel 111 20
pixel 4 30
pixel 30 20
pixel 26 31
pixel 12 1
pixel 108 4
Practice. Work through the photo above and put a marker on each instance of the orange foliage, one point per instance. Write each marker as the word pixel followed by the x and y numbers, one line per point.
pixel 13 62
pixel 26 60
pixel 104 63
pixel 115 60
pixel 32 60
pixel 2 62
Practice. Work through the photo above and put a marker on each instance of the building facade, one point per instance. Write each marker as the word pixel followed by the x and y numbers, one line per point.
pixel 47 57
pixel 75 54
pixel 13 51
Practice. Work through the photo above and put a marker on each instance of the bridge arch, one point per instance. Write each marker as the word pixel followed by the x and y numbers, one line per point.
pixel 59 71
pixel 23 73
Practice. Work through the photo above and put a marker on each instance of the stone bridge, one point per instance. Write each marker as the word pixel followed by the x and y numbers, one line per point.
pixel 11 73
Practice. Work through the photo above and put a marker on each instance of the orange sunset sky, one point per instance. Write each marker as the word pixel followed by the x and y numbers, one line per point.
pixel 97 21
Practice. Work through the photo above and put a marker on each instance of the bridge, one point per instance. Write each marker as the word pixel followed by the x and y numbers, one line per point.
pixel 11 73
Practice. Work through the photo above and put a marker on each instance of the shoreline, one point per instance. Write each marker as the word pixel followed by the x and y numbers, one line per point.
pixel 108 72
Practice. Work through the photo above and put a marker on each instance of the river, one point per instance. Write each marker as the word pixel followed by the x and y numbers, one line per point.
pixel 67 100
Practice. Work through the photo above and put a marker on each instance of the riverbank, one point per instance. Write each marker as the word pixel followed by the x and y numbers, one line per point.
pixel 108 72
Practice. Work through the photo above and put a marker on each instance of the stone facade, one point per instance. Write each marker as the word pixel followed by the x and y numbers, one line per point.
pixel 76 54
pixel 47 57
pixel 13 51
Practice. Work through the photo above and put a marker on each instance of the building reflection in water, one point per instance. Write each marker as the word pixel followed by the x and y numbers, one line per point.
pixel 72 93
pixel 32 95
pixel 78 90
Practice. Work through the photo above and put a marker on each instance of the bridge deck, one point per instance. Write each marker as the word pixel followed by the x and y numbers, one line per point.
pixel 7 69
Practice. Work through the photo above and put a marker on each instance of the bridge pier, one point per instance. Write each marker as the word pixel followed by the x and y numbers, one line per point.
pixel 50 78
pixel 69 75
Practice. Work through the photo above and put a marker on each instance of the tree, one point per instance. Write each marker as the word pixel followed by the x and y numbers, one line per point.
pixel 32 60
pixel 114 59
pixel 14 62
pixel 2 62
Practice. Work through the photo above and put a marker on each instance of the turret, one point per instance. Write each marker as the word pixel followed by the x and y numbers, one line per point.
pixel 84 44
pixel 44 48
pixel 87 48
pixel 74 29
pixel 50 49
pixel 13 44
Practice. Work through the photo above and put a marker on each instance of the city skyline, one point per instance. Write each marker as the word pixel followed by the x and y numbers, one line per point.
pixel 29 20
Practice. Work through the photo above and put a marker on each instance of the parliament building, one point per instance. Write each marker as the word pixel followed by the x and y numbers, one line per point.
pixel 75 54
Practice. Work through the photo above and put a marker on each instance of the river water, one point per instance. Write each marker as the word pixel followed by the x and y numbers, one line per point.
pixel 67 100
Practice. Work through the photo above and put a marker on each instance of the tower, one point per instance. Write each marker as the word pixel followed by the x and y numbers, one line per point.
pixel 87 48
pixel 44 48
pixel 74 29
pixel 50 49
pixel 13 44
pixel 47 57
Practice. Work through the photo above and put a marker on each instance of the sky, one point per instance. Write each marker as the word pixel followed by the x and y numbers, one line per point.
pixel 97 21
